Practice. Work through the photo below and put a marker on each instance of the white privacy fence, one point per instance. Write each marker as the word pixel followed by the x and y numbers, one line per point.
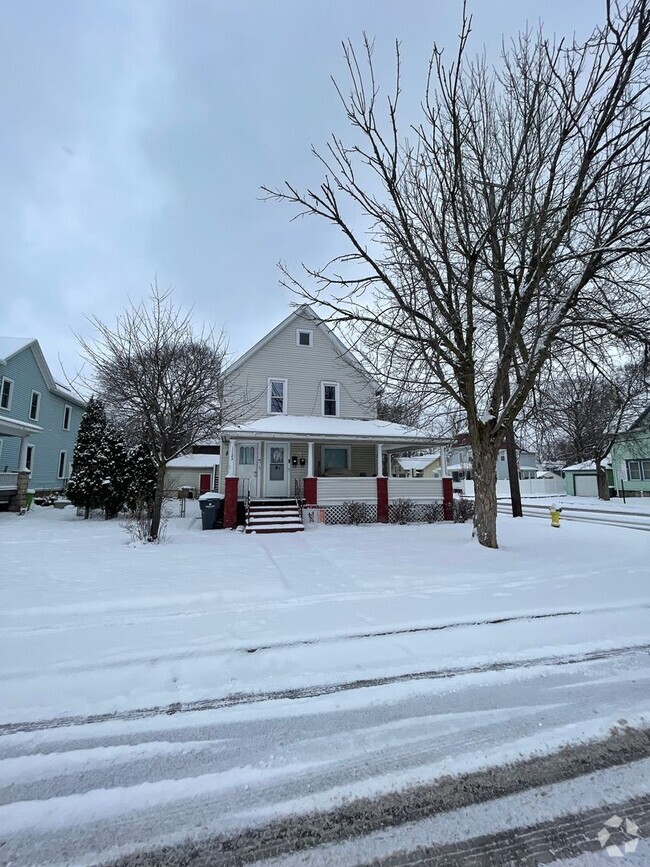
pixel 527 487
pixel 418 490
pixel 8 481
pixel 337 490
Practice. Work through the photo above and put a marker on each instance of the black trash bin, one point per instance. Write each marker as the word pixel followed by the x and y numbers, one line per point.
pixel 211 511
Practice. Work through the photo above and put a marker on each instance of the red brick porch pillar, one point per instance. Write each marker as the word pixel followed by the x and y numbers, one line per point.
pixel 448 499
pixel 382 499
pixel 230 504
pixel 310 490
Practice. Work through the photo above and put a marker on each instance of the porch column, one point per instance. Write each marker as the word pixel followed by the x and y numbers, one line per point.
pixel 310 459
pixel 443 461
pixel 232 458
pixel 380 460
pixel 22 459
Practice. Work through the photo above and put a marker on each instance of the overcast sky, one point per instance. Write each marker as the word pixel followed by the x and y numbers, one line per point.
pixel 134 137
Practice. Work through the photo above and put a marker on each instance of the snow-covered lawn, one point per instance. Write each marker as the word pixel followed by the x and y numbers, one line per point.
pixel 91 623
pixel 632 505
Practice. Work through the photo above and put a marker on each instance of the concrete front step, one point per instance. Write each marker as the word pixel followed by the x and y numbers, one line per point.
pixel 294 527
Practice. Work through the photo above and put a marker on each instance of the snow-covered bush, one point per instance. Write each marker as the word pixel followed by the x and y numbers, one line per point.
pixel 463 510
pixel 433 512
pixel 356 512
pixel 401 511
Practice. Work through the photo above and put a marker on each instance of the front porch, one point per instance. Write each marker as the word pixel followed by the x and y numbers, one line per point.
pixel 14 483
pixel 336 461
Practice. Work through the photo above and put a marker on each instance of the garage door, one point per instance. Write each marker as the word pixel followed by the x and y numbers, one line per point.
pixel 586 486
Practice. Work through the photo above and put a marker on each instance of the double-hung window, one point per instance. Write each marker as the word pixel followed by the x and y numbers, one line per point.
pixel 6 391
pixel 277 402
pixel 34 405
pixel 330 398
pixel 639 470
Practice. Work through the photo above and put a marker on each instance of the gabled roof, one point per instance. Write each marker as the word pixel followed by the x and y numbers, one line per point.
pixel 11 346
pixel 306 312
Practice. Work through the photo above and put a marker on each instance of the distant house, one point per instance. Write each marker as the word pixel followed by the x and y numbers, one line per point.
pixel 420 467
pixel 39 420
pixel 459 462
pixel 631 458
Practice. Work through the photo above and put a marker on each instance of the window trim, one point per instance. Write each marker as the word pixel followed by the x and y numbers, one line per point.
pixel 29 458
pixel 61 469
pixel 67 409
pixel 308 331
pixel 7 408
pixel 38 405
pixel 347 449
pixel 337 386
pixel 285 395
pixel 639 462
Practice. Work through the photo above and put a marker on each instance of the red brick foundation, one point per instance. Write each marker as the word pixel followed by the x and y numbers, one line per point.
pixel 448 499
pixel 382 499
pixel 230 504
pixel 310 491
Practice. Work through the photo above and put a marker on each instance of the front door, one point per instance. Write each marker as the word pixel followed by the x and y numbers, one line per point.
pixel 276 477
pixel 247 469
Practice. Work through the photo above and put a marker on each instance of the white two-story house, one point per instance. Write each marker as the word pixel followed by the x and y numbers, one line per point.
pixel 301 424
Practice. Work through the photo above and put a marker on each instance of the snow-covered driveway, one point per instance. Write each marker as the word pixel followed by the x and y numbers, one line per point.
pixel 91 624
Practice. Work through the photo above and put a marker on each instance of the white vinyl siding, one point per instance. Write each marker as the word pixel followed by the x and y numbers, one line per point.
pixel 305 369
pixel 6 392
pixel 34 405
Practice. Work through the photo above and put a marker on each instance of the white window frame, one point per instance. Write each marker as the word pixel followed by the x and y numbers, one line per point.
pixel 348 449
pixel 11 392
pixel 308 331
pixel 38 405
pixel 67 409
pixel 29 458
pixel 639 462
pixel 285 395
pixel 61 468
pixel 337 386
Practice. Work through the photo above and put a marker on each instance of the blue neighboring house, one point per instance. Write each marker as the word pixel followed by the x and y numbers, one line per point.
pixel 39 419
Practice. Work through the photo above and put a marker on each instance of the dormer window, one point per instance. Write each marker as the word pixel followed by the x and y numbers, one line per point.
pixel 330 396
pixel 304 337
pixel 277 403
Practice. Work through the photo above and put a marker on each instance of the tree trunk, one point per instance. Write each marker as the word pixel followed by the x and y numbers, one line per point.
pixel 601 479
pixel 86 512
pixel 157 503
pixel 484 474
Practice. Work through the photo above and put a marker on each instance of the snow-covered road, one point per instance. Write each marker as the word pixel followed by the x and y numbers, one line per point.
pixel 95 791
pixel 337 663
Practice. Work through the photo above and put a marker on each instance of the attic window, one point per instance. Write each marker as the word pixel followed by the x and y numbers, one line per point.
pixel 304 337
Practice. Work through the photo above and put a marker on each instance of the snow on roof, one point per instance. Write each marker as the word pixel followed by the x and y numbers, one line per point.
pixel 327 427
pixel 194 461
pixel 418 463
pixel 588 465
pixel 458 467
pixel 11 345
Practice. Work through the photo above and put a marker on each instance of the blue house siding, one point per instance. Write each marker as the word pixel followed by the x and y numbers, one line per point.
pixel 24 370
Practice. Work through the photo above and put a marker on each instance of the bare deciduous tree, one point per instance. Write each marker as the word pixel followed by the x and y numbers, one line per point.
pixel 159 379
pixel 512 221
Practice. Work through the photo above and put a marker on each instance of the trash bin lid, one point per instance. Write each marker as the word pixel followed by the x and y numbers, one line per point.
pixel 212 495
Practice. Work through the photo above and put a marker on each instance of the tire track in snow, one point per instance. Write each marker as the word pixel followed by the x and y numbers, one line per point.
pixel 314 691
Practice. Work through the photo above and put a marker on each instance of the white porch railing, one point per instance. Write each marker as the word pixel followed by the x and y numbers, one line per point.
pixel 418 490
pixel 8 481
pixel 334 491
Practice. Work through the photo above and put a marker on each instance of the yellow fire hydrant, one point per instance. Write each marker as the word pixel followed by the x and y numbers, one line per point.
pixel 555 511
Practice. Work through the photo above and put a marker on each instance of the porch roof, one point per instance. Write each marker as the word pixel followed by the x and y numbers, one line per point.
pixel 13 427
pixel 326 428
